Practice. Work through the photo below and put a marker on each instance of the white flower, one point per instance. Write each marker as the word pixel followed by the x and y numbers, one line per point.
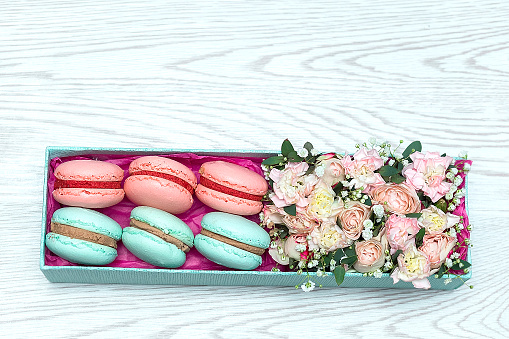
pixel 300 247
pixel 454 256
pixel 302 152
pixel 372 141
pixel 453 188
pixel 320 273
pixel 378 210
pixel 454 170
pixel 391 162
pixel 466 167
pixel 456 201
pixel 448 196
pixel 314 152
pixel 314 262
pixel 459 193
pixel 449 175
pixel 448 262
pixel 388 265
pixel 377 274
pixel 405 162
pixel 308 286
pixel 332 264
pixel 458 180
pixel 447 281
pixel 367 234
pixel 452 232
pixel 451 207
pixel 368 224
pixel 320 170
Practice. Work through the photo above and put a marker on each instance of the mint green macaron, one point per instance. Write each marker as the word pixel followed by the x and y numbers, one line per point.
pixel 232 241
pixel 83 236
pixel 157 237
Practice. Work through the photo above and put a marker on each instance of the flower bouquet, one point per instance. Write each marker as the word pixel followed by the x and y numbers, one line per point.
pixel 376 211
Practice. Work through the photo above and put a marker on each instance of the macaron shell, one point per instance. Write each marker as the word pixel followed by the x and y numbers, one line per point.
pixel 152 249
pixel 89 170
pixel 227 203
pixel 164 221
pixel 237 228
pixel 234 176
pixel 163 165
pixel 226 255
pixel 159 193
pixel 80 251
pixel 88 197
pixel 89 220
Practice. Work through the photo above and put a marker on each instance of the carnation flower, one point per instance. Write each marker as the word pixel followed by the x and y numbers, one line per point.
pixel 299 223
pixel 323 203
pixel 272 215
pixel 362 169
pixel 400 232
pixel 427 173
pixel 413 266
pixel 435 221
pixel 437 247
pixel 329 237
pixel 291 185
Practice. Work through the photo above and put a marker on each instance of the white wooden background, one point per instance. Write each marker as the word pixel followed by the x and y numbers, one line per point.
pixel 246 75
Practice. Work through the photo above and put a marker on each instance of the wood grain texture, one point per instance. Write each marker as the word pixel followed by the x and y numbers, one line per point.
pixel 246 75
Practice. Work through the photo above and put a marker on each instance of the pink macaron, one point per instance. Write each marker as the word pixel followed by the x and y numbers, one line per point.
pixel 161 183
pixel 88 183
pixel 231 188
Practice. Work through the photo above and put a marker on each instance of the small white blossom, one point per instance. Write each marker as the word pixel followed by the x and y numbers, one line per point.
pixel 280 250
pixel 372 141
pixel 261 216
pixel 466 167
pixel 447 281
pixel 459 193
pixel 320 170
pixel 301 264
pixel 384 158
pixel 300 247
pixel 463 154
pixel 453 188
pixel 405 162
pixel 320 273
pixel 456 201
pixel 378 210
pixel 314 152
pixel 448 262
pixel 264 168
pixel 452 232
pixel 377 274
pixel 323 251
pixel 391 162
pixel 454 170
pixel 308 286
pixel 451 207
pixel 458 180
pixel 388 265
pixel 367 234
pixel 455 256
pixel 302 152
pixel 368 224
pixel 449 175
pixel 332 264
pixel 448 196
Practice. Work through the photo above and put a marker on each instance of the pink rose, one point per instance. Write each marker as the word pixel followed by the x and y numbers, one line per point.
pixel 295 242
pixel 333 171
pixel 414 266
pixel 370 254
pixel 329 237
pixel 272 215
pixel 299 224
pixel 362 168
pixel 352 217
pixel 437 247
pixel 400 232
pixel 396 198
pixel 435 221
pixel 427 173
pixel 291 185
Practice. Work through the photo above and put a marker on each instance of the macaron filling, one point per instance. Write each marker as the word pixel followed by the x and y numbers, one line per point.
pixel 158 233
pixel 166 176
pixel 61 183
pixel 228 190
pixel 81 234
pixel 232 242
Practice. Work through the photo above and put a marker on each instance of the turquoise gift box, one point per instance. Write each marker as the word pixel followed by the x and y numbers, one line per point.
pixel 158 276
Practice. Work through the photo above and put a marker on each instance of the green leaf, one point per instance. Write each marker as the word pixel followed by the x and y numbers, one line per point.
pixel 395 256
pixel 458 266
pixel 397 178
pixel 387 171
pixel 441 271
pixel 294 157
pixel 338 254
pixel 413 147
pixel 442 204
pixel 419 236
pixel 328 258
pixel 368 202
pixel 444 155
pixel 308 146
pixel 273 160
pixel 413 215
pixel 337 188
pixel 400 166
pixel 349 251
pixel 339 274
pixel 349 260
pixel 291 210
pixel 286 147
pixel 310 170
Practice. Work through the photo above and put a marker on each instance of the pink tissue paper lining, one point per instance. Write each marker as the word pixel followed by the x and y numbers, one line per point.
pixel 121 211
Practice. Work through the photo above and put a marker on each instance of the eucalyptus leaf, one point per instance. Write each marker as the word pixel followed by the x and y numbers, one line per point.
pixel 275 160
pixel 291 210
pixel 286 147
pixel 339 274
pixel 441 204
pixel 413 147
pixel 308 146
pixel 387 171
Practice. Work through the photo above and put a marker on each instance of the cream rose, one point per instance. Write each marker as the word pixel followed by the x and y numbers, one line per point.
pixel 295 242
pixel 272 215
pixel 352 217
pixel 323 202
pixel 435 221
pixel 276 251
pixel 299 224
pixel 370 254
pixel 329 237
pixel 437 247
pixel 333 171
pixel 396 198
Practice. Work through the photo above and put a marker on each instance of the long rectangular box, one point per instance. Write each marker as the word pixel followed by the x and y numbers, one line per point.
pixel 119 275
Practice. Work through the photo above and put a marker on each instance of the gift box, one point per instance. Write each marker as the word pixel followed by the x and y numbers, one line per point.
pixel 127 269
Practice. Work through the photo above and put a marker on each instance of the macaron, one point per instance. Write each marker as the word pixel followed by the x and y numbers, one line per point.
pixel 157 237
pixel 88 183
pixel 83 236
pixel 161 183
pixel 232 241
pixel 231 188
